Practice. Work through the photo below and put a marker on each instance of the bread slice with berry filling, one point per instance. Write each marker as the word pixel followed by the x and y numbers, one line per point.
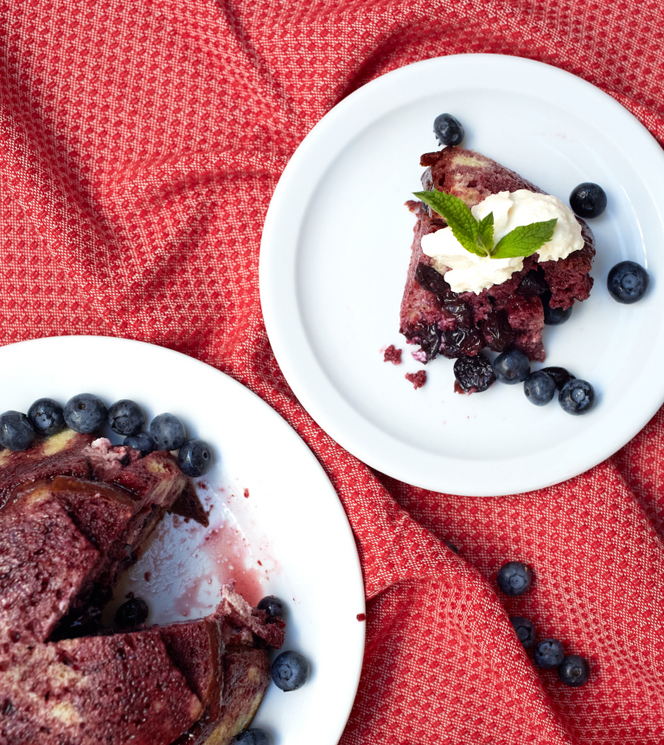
pixel 504 316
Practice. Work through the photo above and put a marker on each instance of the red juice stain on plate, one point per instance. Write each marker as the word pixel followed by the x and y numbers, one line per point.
pixel 246 493
pixel 225 553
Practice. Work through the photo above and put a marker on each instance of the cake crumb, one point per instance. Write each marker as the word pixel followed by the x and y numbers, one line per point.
pixel 393 355
pixel 418 379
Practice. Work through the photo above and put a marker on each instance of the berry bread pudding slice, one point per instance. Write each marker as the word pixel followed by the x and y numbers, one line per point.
pixel 460 310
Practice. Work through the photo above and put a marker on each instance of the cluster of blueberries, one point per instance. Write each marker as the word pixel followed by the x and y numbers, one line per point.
pixel 290 670
pixel 86 413
pixel 514 578
pixel 575 396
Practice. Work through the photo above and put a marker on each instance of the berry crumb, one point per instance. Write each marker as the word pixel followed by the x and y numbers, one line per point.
pixel 393 355
pixel 418 379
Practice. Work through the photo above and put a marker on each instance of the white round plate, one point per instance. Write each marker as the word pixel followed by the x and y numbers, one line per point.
pixel 273 504
pixel 335 252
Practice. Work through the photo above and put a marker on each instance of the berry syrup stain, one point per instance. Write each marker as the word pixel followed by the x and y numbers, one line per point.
pixel 183 567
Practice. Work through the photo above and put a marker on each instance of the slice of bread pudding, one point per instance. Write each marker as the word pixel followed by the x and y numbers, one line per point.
pixel 504 316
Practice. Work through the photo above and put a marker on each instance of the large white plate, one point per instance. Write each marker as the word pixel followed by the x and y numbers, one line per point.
pixel 291 518
pixel 335 251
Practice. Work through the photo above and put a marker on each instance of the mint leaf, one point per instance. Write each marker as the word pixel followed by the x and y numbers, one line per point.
pixel 477 237
pixel 457 215
pixel 524 240
pixel 485 233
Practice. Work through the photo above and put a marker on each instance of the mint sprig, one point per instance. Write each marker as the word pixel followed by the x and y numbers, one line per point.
pixel 477 236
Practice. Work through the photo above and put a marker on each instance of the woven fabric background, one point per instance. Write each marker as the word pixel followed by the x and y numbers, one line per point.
pixel 140 144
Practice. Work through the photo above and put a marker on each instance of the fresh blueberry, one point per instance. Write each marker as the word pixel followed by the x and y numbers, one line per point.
pixel 16 431
pixel 588 200
pixel 290 671
pixel 273 606
pixel 142 441
pixel 85 413
pixel 167 431
pixel 574 671
pixel 126 418
pixel 448 130
pixel 254 737
pixel 577 397
pixel 559 374
pixel 474 374
pixel 514 578
pixel 195 458
pixel 533 284
pixel 554 316
pixel 525 630
pixel 132 613
pixel 511 367
pixel 46 416
pixel 539 388
pixel 627 282
pixel 549 653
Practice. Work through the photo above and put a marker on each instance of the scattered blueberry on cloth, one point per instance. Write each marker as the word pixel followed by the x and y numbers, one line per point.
pixel 140 146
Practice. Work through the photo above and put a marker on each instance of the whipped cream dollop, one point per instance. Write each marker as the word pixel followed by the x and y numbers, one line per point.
pixel 466 272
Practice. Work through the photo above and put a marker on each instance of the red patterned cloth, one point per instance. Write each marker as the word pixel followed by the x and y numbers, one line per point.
pixel 140 143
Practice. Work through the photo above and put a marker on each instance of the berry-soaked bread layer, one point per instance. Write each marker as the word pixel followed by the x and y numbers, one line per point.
pixel 106 518
pixel 246 678
pixel 46 563
pixel 71 524
pixel 509 315
pixel 207 673
pixel 107 689
pixel 203 651
pixel 59 455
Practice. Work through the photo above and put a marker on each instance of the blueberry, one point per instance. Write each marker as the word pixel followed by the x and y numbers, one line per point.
pixel 525 630
pixel 448 130
pixel 511 367
pixel 167 431
pixel 274 607
pixel 474 374
pixel 142 441
pixel 539 388
pixel 451 546
pixel 195 458
pixel 514 578
pixel 549 653
pixel 588 200
pixel 132 613
pixel 627 282
pixel 290 671
pixel 46 416
pixel 126 418
pixel 577 397
pixel 16 431
pixel 85 413
pixel 254 737
pixel 574 671
pixel 554 316
pixel 559 374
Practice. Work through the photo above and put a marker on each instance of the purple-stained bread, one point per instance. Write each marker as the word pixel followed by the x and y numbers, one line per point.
pixel 504 316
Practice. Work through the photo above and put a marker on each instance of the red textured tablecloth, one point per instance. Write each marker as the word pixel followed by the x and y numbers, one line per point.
pixel 140 143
